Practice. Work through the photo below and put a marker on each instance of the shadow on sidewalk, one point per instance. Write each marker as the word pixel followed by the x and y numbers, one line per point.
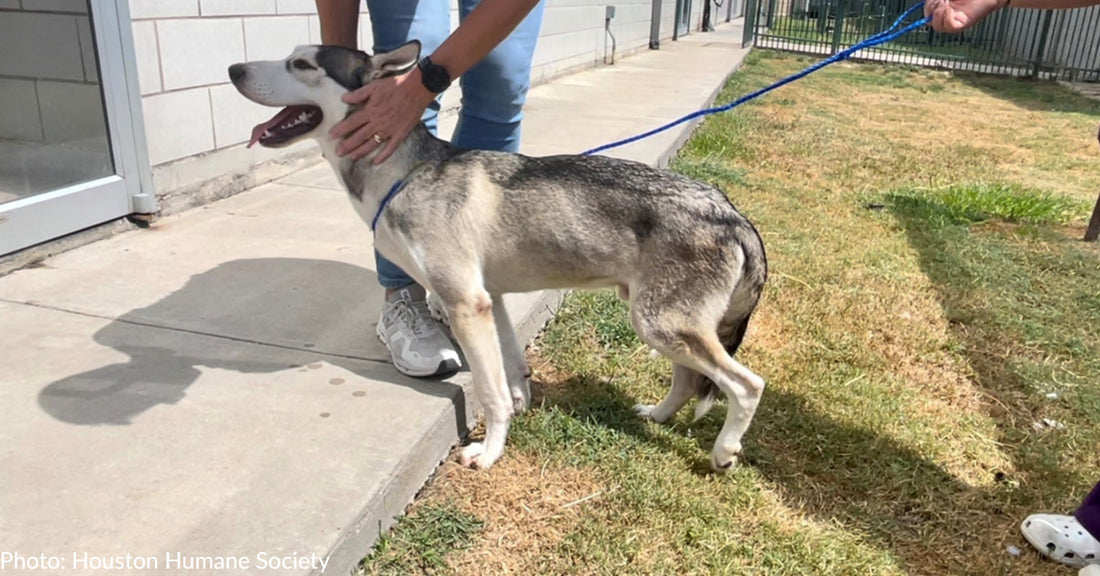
pixel 290 311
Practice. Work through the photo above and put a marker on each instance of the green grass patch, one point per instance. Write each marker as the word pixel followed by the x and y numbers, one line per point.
pixel 420 542
pixel 713 172
pixel 970 203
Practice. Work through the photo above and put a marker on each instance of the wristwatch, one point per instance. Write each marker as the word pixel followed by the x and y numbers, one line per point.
pixel 435 77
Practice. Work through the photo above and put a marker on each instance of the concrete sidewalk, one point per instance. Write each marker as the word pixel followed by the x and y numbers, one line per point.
pixel 210 392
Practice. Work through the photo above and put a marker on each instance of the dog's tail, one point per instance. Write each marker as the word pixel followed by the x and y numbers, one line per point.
pixel 731 335
pixel 735 322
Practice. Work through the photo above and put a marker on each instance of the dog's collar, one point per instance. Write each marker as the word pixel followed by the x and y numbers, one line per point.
pixel 386 200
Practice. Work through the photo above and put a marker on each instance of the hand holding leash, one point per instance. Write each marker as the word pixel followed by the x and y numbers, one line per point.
pixel 958 15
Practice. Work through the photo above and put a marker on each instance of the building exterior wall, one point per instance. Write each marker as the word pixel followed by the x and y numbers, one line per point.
pixel 196 124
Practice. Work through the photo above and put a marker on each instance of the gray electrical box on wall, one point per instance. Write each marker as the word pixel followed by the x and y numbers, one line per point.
pixel 610 12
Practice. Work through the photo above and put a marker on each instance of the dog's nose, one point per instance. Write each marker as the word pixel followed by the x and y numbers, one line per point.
pixel 237 71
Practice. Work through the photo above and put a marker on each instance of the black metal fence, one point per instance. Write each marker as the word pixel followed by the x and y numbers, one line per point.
pixel 1062 44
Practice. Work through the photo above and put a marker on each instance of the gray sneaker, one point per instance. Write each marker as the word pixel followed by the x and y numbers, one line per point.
pixel 417 345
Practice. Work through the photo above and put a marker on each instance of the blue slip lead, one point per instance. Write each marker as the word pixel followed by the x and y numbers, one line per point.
pixel 386 200
pixel 881 38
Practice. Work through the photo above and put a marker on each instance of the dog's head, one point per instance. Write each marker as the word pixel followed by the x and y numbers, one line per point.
pixel 309 85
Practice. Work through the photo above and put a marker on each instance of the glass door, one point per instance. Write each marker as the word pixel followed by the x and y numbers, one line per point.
pixel 69 154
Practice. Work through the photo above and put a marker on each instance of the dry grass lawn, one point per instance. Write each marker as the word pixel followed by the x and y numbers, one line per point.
pixel 930 301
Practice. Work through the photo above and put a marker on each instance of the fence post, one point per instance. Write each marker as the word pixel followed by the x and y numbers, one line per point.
pixel 1037 56
pixel 838 25
pixel 748 26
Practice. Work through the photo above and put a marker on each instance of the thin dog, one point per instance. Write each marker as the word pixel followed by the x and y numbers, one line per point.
pixel 472 225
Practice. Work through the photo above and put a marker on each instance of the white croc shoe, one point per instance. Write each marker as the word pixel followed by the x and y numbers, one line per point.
pixel 1061 538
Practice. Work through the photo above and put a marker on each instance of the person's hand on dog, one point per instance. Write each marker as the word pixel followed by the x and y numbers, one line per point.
pixel 958 15
pixel 391 108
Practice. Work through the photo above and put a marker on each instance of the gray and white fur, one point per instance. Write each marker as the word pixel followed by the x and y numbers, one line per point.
pixel 473 225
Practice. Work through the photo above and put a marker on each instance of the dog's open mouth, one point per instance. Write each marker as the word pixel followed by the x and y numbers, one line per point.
pixel 289 123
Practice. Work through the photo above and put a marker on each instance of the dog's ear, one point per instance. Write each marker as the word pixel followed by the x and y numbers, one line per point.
pixel 396 61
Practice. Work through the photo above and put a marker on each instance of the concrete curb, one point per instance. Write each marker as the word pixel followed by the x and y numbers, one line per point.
pixel 687 129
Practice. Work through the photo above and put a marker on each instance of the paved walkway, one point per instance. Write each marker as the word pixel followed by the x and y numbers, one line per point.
pixel 1086 89
pixel 211 391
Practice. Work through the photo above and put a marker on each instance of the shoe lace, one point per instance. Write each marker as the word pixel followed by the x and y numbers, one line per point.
pixel 415 315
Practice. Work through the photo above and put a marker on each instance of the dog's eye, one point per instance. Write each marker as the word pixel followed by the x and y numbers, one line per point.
pixel 302 65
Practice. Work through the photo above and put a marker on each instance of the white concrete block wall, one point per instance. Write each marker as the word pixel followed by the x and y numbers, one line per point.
pixel 573 33
pixel 183 48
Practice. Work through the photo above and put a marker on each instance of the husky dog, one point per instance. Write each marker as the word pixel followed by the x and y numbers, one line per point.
pixel 472 225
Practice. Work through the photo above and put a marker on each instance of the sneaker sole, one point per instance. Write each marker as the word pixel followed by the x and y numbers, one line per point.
pixel 445 367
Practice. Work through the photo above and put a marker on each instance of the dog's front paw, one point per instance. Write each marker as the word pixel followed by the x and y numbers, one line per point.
pixel 644 411
pixel 475 457
pixel 721 461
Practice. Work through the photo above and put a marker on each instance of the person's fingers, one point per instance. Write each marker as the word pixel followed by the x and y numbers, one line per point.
pixel 358 95
pixel 350 123
pixel 958 21
pixel 360 139
pixel 938 18
pixel 363 150
pixel 391 146
pixel 930 7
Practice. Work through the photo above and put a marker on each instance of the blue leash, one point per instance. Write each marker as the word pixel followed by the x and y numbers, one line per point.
pixel 881 38
pixel 386 200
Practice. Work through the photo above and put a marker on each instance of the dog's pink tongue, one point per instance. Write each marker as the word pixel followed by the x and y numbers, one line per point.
pixel 259 130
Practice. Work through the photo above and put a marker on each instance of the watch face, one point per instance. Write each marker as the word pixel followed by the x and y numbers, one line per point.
pixel 435 77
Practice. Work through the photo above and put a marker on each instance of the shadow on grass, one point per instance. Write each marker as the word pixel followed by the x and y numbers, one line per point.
pixel 1023 306
pixel 871 484
pixel 1019 299
pixel 834 471
pixel 586 399
pixel 1037 95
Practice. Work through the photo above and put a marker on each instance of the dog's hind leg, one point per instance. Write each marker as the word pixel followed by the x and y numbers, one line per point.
pixel 686 383
pixel 743 388
pixel 471 312
pixel 682 341
pixel 515 366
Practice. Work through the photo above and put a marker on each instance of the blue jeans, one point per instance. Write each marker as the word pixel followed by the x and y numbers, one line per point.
pixel 493 91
